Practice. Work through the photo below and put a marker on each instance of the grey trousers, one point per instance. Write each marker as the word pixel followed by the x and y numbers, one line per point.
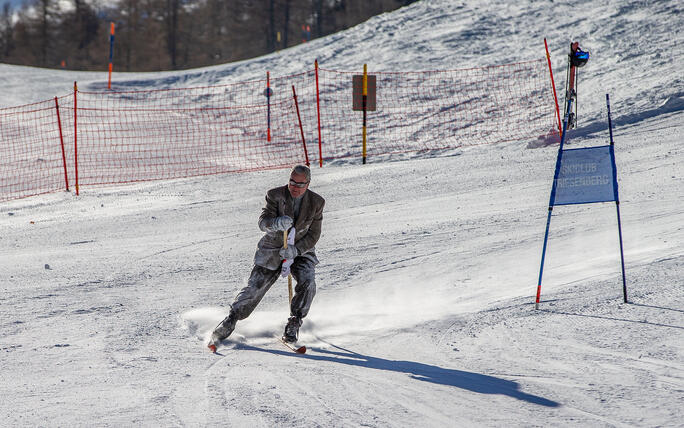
pixel 261 280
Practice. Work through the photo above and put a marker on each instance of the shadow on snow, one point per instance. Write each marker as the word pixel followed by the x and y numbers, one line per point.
pixel 475 382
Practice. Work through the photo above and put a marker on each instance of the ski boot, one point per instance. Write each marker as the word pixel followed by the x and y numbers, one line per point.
pixel 223 330
pixel 292 329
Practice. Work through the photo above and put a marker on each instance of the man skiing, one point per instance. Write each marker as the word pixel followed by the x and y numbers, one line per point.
pixel 286 206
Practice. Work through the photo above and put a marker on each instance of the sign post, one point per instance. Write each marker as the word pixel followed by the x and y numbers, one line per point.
pixel 364 99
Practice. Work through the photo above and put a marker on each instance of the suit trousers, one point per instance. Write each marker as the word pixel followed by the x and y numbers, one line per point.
pixel 261 279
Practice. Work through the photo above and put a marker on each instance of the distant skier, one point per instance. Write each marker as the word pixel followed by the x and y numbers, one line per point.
pixel 286 206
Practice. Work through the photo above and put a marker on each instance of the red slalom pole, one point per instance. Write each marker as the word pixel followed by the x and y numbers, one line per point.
pixel 553 85
pixel 61 140
pixel 301 128
pixel 318 109
pixel 76 135
pixel 111 55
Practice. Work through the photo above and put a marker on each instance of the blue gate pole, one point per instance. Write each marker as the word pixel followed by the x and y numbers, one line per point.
pixel 268 101
pixel 617 199
pixel 541 268
pixel 553 197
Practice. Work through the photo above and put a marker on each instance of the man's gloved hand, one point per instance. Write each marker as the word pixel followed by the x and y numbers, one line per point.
pixel 282 223
pixel 289 253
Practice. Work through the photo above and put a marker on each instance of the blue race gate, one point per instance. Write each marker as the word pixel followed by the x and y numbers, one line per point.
pixel 584 176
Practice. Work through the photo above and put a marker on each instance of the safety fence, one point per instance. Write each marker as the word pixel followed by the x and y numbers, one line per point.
pixel 33 158
pixel 94 138
pixel 151 135
pixel 434 110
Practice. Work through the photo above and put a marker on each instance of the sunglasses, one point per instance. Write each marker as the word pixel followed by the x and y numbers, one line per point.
pixel 298 184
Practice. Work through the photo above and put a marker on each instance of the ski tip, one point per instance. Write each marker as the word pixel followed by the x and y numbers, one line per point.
pixel 301 350
pixel 212 348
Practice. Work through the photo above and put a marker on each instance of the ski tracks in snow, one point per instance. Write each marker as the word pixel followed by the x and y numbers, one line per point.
pixel 266 386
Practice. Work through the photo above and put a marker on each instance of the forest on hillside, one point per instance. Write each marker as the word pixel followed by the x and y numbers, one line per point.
pixel 152 35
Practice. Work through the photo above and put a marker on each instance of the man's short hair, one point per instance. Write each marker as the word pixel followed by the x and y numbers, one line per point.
pixel 301 169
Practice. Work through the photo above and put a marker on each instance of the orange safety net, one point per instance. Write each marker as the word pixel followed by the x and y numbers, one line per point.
pixel 151 135
pixel 31 157
pixel 130 136
pixel 433 110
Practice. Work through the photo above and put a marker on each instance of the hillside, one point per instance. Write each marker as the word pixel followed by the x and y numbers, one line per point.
pixel 424 313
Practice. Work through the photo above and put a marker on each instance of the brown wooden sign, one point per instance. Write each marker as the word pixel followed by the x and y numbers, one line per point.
pixel 358 93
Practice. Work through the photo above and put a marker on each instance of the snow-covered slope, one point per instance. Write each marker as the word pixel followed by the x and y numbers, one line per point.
pixel 424 314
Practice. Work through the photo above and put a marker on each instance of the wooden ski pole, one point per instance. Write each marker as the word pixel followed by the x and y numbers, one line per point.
pixel 289 276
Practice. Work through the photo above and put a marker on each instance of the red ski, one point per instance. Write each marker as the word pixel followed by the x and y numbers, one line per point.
pixel 293 347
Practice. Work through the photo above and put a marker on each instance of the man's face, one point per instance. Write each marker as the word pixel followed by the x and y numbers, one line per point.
pixel 297 185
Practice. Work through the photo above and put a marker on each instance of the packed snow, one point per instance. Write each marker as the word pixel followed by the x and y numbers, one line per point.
pixel 424 314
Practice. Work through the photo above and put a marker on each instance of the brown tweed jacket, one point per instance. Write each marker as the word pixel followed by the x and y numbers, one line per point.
pixel 279 202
